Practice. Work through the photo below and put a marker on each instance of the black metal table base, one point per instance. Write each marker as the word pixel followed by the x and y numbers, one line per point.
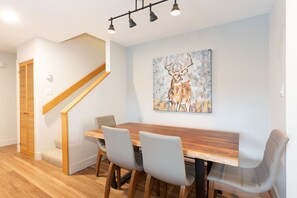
pixel 199 177
pixel 124 179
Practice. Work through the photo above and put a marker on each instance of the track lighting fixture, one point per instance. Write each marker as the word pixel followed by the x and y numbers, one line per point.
pixel 174 12
pixel 175 9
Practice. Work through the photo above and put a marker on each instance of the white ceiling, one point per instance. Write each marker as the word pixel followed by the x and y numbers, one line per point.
pixel 59 20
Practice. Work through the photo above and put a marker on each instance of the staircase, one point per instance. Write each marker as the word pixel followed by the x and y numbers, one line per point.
pixel 54 156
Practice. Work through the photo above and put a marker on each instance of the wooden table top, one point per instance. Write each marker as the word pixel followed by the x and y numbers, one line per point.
pixel 215 146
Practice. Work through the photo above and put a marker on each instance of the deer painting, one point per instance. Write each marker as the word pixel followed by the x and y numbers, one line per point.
pixel 179 92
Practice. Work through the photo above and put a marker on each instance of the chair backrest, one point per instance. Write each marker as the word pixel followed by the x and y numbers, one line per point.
pixel 106 121
pixel 163 157
pixel 119 148
pixel 268 169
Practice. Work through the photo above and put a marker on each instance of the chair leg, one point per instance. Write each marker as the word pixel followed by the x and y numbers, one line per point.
pixel 132 184
pixel 265 195
pixel 119 178
pixel 184 191
pixel 99 157
pixel 157 185
pixel 148 182
pixel 165 189
pixel 211 190
pixel 110 175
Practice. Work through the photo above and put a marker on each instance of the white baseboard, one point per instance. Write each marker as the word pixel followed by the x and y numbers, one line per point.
pixel 6 142
pixel 82 164
pixel 38 156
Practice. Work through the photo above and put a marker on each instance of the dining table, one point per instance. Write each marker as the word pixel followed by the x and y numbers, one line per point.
pixel 202 145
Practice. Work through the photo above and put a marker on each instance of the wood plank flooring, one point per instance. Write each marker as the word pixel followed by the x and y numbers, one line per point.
pixel 23 177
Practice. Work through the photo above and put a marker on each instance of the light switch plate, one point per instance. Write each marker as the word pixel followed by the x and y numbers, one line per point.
pixel 48 91
pixel 282 90
pixel 1 64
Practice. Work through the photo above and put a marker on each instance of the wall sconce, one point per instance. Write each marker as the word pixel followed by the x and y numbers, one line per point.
pixel 49 77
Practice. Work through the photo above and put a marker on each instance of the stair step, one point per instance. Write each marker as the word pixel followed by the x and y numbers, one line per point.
pixel 53 156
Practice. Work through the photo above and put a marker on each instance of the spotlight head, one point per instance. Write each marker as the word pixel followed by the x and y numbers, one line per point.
pixel 111 29
pixel 131 23
pixel 175 10
pixel 153 17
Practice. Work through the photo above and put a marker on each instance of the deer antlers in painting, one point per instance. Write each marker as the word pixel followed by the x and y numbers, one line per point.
pixel 179 92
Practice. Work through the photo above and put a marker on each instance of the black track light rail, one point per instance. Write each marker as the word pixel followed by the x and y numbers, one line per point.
pixel 138 9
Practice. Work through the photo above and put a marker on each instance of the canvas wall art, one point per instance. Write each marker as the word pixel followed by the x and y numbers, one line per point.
pixel 182 82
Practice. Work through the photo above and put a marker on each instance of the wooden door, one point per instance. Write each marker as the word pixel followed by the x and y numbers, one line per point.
pixel 26 108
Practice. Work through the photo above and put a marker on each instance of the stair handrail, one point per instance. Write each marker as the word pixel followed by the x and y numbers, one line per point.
pixel 62 96
pixel 64 121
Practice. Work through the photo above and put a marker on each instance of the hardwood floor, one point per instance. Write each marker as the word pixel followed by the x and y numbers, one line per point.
pixel 20 176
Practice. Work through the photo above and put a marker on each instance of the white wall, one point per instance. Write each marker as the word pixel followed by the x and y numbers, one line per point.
pixel 109 97
pixel 291 98
pixel 239 77
pixel 277 62
pixel 8 116
pixel 67 62
pixel 277 79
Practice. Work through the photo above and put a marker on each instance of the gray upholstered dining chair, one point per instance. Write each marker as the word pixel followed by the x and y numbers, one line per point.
pixel 120 153
pixel 107 120
pixel 250 182
pixel 163 159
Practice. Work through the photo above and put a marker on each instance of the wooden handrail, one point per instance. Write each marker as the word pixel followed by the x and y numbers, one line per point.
pixel 85 92
pixel 54 102
pixel 64 120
